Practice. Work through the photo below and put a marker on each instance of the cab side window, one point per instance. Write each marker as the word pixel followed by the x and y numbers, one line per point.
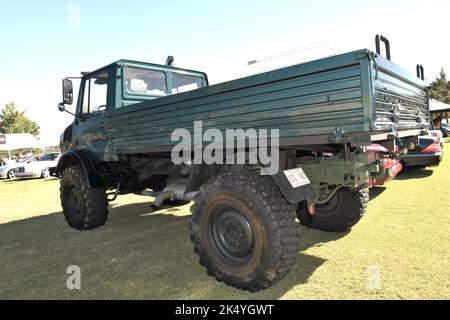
pixel 95 93
pixel 183 83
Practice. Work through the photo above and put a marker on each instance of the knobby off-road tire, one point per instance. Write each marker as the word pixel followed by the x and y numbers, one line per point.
pixel 84 208
pixel 340 214
pixel 244 231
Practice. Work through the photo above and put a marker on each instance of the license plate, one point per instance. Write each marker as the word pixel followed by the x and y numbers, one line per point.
pixel 297 178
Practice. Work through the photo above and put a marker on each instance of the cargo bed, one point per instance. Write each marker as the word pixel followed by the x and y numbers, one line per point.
pixel 356 97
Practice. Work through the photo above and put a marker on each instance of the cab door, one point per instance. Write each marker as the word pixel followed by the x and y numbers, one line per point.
pixel 90 127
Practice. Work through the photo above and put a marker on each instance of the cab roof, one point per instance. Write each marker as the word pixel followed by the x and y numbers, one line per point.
pixel 122 62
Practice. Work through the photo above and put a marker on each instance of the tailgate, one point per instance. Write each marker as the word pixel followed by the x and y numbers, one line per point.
pixel 400 98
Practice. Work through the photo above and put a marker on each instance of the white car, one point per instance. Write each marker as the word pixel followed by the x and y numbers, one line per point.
pixel 437 134
pixel 38 169
pixel 8 171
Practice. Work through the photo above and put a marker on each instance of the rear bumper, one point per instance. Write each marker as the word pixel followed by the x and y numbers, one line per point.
pixel 422 159
pixel 391 169
pixel 3 175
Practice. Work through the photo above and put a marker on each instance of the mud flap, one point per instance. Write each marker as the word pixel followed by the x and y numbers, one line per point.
pixel 292 194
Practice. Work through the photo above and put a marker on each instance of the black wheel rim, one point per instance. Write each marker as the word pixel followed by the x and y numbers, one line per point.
pixel 231 235
pixel 73 201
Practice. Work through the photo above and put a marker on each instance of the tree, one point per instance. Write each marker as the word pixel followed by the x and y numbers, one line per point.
pixel 440 88
pixel 14 121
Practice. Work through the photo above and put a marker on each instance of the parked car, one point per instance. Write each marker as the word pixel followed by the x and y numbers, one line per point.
pixel 8 171
pixel 445 128
pixel 38 169
pixel 427 154
pixel 439 134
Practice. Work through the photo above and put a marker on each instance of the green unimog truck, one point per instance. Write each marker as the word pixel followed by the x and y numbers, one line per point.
pixel 326 115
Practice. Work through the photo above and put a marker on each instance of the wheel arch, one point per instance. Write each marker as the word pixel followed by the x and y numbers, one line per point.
pixel 86 160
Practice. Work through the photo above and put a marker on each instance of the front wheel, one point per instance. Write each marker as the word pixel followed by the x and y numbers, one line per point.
pixel 84 208
pixel 11 174
pixel 244 231
pixel 341 213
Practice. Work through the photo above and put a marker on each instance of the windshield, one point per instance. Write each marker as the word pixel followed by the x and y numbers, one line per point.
pixel 49 157
pixel 26 159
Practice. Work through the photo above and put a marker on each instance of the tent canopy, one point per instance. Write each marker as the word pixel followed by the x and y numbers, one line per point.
pixel 16 141
pixel 437 106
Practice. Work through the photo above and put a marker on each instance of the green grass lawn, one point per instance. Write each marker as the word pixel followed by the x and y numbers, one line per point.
pixel 400 250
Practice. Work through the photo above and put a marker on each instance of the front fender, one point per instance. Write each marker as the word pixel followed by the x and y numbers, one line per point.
pixel 87 160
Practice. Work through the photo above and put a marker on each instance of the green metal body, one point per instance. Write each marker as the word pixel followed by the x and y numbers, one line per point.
pixel 353 96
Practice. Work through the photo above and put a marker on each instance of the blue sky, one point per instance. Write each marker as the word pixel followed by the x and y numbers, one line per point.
pixel 40 45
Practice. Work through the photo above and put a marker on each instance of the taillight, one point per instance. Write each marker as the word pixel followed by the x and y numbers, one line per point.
pixel 433 148
pixel 437 134
pixel 396 148
pixel 388 163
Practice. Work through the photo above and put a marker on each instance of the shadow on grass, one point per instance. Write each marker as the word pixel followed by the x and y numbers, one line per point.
pixel 375 192
pixel 136 255
pixel 10 181
pixel 15 181
pixel 414 173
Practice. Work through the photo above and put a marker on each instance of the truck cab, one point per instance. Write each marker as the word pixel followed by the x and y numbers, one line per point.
pixel 115 86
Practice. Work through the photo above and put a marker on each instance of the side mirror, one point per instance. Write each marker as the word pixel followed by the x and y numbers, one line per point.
pixel 62 108
pixel 67 91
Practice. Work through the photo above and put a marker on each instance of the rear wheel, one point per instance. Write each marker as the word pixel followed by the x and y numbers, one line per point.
pixel 45 173
pixel 341 213
pixel 84 208
pixel 11 174
pixel 244 231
